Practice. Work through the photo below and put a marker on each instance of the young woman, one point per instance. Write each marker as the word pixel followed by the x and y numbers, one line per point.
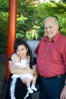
pixel 20 90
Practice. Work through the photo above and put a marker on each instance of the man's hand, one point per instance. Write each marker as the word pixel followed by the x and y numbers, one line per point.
pixel 63 93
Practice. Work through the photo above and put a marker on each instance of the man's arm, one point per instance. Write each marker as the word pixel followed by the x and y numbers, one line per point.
pixel 63 92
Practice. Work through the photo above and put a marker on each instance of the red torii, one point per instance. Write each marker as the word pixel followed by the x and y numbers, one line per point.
pixel 12 19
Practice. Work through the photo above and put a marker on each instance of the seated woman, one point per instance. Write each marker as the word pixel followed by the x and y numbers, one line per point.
pixel 18 90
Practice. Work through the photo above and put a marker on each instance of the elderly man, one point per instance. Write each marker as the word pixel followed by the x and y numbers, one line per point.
pixel 51 61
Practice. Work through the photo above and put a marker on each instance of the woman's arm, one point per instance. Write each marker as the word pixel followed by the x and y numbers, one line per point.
pixel 19 70
pixel 35 69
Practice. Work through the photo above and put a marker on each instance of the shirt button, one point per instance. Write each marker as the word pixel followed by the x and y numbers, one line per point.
pixel 44 55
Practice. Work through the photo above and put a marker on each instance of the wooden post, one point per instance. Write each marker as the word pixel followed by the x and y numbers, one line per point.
pixel 11 32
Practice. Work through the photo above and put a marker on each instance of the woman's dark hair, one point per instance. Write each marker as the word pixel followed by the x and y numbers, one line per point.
pixel 9 59
pixel 21 41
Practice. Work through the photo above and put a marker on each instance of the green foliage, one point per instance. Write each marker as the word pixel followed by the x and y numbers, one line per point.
pixel 28 11
pixel 64 1
pixel 30 18
pixel 20 30
pixel 41 31
pixel 22 18
pixel 4 5
pixel 3 28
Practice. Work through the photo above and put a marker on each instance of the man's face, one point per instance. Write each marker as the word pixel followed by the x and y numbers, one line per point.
pixel 51 27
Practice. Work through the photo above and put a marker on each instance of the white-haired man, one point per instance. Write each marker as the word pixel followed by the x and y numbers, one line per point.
pixel 51 61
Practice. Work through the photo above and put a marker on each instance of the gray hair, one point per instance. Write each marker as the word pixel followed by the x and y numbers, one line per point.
pixel 56 20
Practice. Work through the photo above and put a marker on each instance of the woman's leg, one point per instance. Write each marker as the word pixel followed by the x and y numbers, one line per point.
pixel 20 89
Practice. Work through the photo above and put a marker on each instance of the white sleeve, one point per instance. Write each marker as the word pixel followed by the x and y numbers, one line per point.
pixel 17 64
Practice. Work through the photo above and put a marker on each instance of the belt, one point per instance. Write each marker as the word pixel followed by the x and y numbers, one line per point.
pixel 57 76
pixel 60 76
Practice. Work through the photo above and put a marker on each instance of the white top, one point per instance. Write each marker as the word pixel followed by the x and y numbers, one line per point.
pixel 22 64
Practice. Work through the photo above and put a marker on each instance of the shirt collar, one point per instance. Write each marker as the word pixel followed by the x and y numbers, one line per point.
pixel 54 39
pixel 46 38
